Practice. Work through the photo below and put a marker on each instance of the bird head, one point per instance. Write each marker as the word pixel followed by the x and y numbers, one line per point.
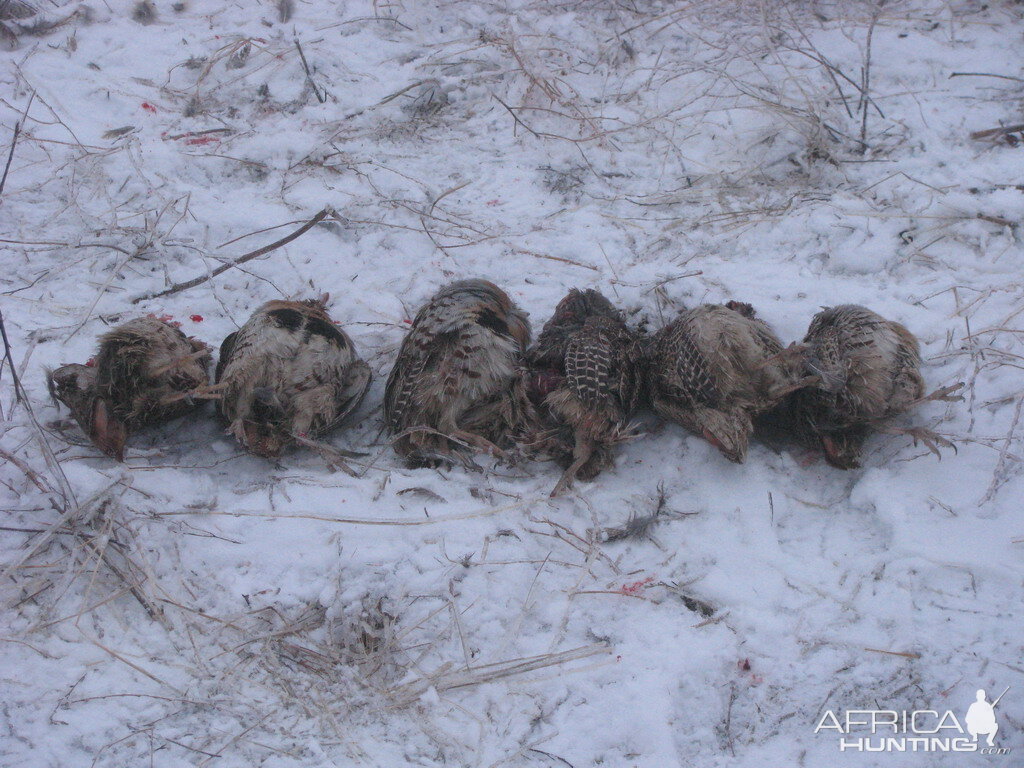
pixel 842 447
pixel 266 432
pixel 75 386
pixel 729 432
pixel 578 305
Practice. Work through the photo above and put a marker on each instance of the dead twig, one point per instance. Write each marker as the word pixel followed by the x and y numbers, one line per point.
pixel 179 287
pixel 895 653
pixel 10 156
pixel 19 392
pixel 445 679
pixel 1000 131
pixel 321 97
pixel 985 74
pixel 14 141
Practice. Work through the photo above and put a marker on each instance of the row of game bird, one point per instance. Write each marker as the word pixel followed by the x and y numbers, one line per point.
pixel 466 379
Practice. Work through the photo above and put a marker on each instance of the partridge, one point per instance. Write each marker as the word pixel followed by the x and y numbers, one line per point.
pixel 458 381
pixel 860 370
pixel 714 369
pixel 145 373
pixel 587 374
pixel 289 375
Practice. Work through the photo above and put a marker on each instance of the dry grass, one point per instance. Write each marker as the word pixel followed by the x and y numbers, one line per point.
pixel 104 568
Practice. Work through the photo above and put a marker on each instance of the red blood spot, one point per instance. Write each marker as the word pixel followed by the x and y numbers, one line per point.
pixel 196 318
pixel 148 107
pixel 709 436
pixel 407 321
pixel 543 383
pixel 202 140
pixel 91 362
pixel 493 202
pixel 636 586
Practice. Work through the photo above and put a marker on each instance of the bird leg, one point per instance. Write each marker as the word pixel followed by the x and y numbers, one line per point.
pixel 942 393
pixel 206 392
pixel 108 432
pixel 582 452
pixel 178 361
pixel 485 445
pixel 932 440
pixel 330 455
pixel 422 429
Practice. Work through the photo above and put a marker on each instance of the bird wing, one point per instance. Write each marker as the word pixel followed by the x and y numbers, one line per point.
pixel 404 379
pixel 226 348
pixel 687 373
pixel 355 389
pixel 597 370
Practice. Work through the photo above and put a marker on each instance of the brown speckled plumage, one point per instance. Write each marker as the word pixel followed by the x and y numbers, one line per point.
pixel 713 369
pixel 145 373
pixel 587 379
pixel 459 375
pixel 861 370
pixel 289 374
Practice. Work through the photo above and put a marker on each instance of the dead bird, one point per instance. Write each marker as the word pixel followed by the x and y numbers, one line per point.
pixel 289 375
pixel 586 378
pixel 459 380
pixel 860 370
pixel 713 369
pixel 145 373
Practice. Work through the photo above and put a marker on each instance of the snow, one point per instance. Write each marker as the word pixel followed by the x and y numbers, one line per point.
pixel 666 154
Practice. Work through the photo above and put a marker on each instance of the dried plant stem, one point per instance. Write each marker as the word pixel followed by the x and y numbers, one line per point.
pixel 10 156
pixel 357 520
pixel 895 653
pixel 179 287
pixel 321 97
pixel 443 679
pixel 1001 131
pixel 19 393
pixel 14 141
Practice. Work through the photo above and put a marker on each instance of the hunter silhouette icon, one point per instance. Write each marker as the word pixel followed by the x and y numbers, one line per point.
pixel 981 717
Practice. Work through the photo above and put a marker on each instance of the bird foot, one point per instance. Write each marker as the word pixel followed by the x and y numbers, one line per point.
pixel 208 392
pixel 944 393
pixel 583 452
pixel 476 441
pixel 197 355
pixel 331 456
pixel 931 439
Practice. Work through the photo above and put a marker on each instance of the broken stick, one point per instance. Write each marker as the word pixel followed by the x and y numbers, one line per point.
pixel 178 287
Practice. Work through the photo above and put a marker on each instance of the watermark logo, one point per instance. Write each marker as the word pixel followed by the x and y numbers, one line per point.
pixel 981 718
pixel 919 730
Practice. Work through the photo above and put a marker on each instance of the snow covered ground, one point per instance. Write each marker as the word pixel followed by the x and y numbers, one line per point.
pixel 198 606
